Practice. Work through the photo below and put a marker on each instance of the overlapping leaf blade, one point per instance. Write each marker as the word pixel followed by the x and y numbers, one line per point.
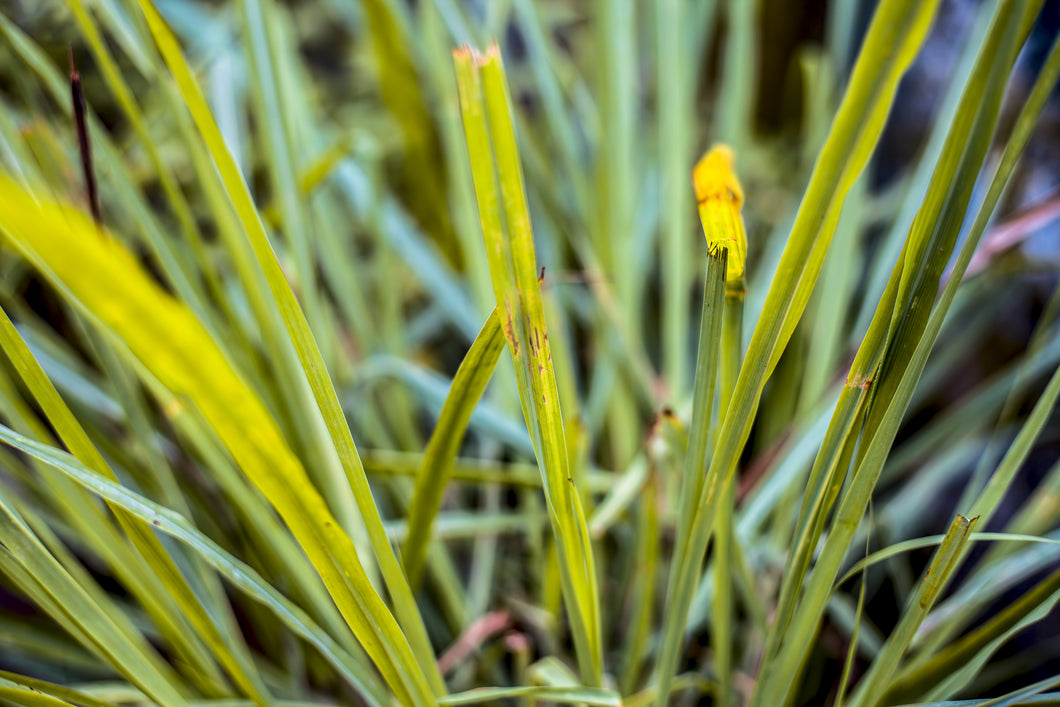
pixel 498 182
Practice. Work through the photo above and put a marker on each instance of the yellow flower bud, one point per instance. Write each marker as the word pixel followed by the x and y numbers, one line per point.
pixel 720 197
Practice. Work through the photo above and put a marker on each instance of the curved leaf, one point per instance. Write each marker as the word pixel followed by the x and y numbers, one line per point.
pixel 96 273
pixel 467 388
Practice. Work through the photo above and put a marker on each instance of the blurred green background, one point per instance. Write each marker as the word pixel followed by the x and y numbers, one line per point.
pixel 356 157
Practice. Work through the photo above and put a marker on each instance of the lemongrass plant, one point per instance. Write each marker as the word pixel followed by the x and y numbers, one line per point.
pixel 409 382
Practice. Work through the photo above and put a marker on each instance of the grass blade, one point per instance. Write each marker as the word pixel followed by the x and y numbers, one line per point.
pixel 788 661
pixel 153 576
pixel 554 695
pixel 897 29
pixel 174 347
pixel 675 145
pixel 106 631
pixel 437 467
pixel 238 573
pixel 944 670
pixel 490 136
pixel 308 354
pixel 871 687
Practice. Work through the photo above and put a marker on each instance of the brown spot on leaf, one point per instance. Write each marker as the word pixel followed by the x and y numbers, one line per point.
pixel 860 382
pixel 509 329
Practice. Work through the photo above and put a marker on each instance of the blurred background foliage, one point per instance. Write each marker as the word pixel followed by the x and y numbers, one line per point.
pixel 343 117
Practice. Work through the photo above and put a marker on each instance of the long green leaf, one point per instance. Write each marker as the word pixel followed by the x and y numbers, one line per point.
pixel 20 685
pixel 241 575
pixel 486 110
pixel 408 615
pixel 153 576
pixel 945 560
pixel 101 277
pixel 931 540
pixel 467 388
pixel 559 695
pixel 928 676
pixel 778 674
pixel 937 224
pixel 897 30
pixel 674 110
pixel 107 632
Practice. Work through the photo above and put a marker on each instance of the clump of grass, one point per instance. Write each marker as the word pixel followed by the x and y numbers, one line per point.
pixel 398 396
